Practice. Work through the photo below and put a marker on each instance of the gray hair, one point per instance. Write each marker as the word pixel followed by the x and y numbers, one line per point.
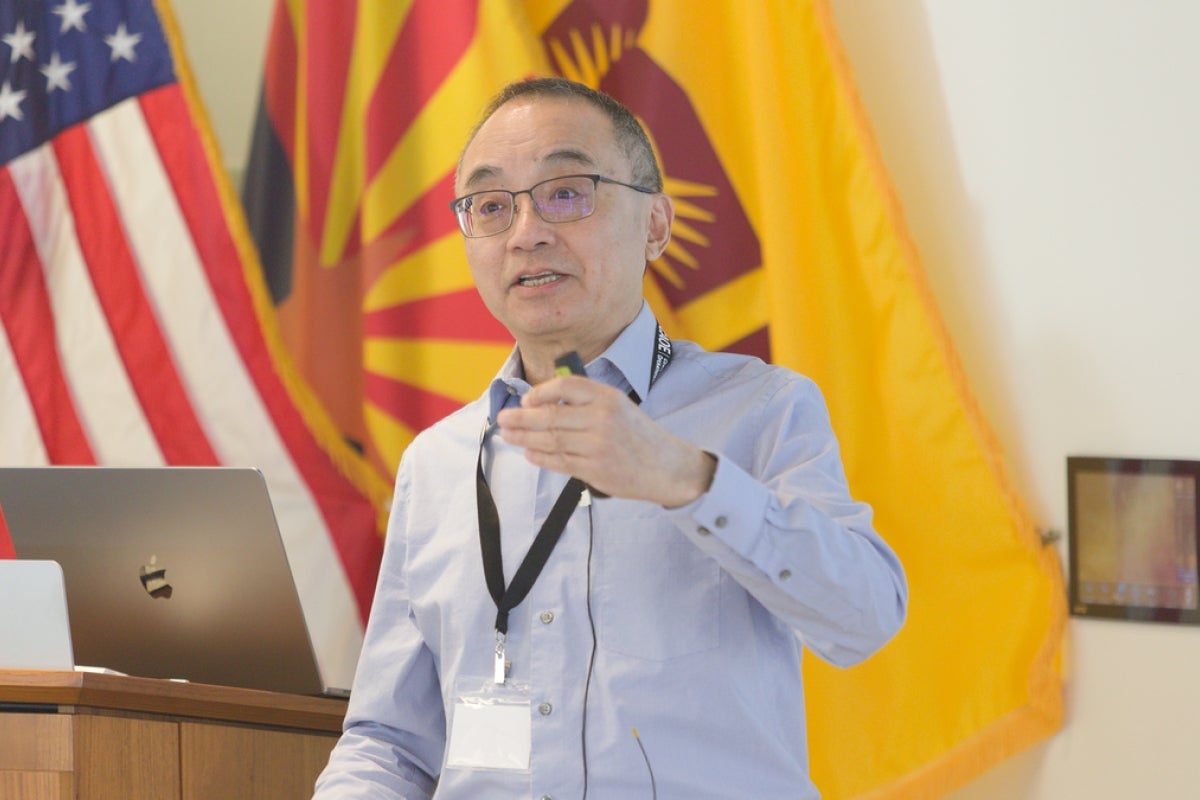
pixel 630 135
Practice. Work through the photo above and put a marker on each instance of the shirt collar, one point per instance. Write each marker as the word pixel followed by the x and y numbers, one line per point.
pixel 628 360
pixel 630 357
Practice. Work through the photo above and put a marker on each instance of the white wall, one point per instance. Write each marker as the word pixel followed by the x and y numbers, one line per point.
pixel 225 41
pixel 1044 151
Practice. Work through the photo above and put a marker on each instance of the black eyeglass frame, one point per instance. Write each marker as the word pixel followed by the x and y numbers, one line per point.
pixel 460 212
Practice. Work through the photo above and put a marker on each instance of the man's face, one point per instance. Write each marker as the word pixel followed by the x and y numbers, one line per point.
pixel 561 286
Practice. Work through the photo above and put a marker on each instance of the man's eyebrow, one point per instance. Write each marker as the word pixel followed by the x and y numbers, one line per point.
pixel 480 174
pixel 567 156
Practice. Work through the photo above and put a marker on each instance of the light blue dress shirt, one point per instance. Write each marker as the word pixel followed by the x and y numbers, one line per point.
pixel 699 613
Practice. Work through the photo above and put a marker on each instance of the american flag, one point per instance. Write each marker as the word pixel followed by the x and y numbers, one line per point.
pixel 134 325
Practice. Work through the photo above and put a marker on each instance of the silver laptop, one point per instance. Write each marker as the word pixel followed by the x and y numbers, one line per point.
pixel 171 572
pixel 34 632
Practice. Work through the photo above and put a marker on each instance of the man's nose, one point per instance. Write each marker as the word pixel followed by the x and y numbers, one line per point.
pixel 528 228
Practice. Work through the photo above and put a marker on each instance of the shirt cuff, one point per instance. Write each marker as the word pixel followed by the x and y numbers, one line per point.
pixel 732 509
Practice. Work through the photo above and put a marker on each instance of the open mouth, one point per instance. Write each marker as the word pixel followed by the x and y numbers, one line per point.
pixel 540 279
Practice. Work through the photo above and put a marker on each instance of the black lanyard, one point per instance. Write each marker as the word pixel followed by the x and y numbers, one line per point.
pixel 507 599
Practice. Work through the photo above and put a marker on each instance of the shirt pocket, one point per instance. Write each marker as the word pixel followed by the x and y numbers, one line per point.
pixel 659 596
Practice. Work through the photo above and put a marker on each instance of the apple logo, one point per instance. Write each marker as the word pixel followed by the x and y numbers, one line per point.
pixel 154 579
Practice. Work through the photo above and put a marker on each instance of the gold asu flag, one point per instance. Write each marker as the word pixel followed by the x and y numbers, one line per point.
pixel 788 244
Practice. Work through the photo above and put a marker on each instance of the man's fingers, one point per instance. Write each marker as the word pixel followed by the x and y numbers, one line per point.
pixel 566 403
pixel 568 389
pixel 542 419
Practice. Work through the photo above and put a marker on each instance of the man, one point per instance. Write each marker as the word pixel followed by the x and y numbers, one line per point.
pixel 533 636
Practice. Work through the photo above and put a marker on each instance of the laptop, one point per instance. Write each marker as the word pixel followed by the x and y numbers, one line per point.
pixel 171 572
pixel 34 632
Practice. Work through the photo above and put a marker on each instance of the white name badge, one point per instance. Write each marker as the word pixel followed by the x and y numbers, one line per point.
pixel 490 726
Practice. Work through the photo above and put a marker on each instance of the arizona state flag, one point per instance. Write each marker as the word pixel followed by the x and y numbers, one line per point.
pixel 364 109
pixel 788 243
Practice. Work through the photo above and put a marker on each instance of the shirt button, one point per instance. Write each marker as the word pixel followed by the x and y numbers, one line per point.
pixel 544 709
pixel 547 617
pixel 703 531
pixel 785 574
pixel 547 797
pixel 721 522
pixel 511 389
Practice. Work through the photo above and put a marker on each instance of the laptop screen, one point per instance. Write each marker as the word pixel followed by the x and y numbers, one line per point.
pixel 171 572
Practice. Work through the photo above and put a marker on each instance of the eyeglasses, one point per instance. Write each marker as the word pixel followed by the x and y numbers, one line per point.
pixel 563 199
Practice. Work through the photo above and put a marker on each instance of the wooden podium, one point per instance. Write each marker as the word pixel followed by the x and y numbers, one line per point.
pixel 68 735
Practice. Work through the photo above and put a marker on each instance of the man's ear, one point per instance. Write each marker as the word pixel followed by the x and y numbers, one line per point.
pixel 662 213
